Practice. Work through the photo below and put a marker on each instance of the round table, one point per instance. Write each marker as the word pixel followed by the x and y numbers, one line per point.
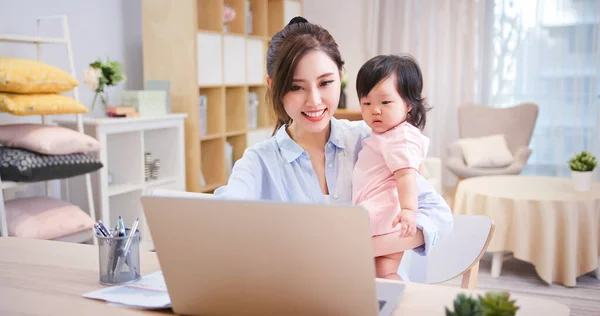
pixel 541 220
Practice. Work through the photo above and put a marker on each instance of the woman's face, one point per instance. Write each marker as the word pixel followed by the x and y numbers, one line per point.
pixel 315 92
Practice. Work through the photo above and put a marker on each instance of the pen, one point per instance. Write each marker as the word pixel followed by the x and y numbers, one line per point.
pixel 117 250
pixel 122 230
pixel 102 229
pixel 99 230
pixel 129 240
pixel 127 245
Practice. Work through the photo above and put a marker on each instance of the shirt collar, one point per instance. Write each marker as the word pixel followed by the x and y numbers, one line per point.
pixel 336 135
pixel 291 150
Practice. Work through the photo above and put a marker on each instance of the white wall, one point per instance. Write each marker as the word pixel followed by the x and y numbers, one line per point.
pixel 345 20
pixel 99 28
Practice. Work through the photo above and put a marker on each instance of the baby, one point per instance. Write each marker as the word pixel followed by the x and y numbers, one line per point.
pixel 384 178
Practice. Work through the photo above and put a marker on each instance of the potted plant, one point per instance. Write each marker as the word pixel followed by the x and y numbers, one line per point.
pixel 491 304
pixel 582 166
pixel 100 75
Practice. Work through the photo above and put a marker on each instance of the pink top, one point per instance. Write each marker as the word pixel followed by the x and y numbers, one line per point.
pixel 373 181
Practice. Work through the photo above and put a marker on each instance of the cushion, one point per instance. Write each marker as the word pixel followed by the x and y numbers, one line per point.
pixel 47 139
pixel 486 152
pixel 19 75
pixel 40 104
pixel 21 165
pixel 44 218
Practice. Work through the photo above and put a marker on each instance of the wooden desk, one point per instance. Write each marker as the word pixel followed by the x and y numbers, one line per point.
pixel 39 277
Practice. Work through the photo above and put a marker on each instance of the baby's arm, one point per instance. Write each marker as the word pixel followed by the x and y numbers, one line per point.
pixel 406 183
pixel 403 152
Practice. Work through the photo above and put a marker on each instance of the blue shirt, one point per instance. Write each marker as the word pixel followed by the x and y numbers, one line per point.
pixel 278 169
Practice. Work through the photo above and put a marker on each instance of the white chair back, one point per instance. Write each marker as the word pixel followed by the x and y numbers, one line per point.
pixel 455 255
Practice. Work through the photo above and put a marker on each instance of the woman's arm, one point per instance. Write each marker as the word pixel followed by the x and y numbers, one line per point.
pixel 434 217
pixel 245 180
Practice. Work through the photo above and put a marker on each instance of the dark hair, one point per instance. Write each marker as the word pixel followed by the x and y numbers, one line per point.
pixel 409 83
pixel 287 48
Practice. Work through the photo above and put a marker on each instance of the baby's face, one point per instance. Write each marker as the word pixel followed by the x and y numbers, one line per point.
pixel 383 108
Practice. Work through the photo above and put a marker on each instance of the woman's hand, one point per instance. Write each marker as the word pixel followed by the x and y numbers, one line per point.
pixel 408 221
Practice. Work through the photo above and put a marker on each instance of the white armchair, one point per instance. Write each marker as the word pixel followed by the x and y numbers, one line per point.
pixel 515 123
pixel 432 171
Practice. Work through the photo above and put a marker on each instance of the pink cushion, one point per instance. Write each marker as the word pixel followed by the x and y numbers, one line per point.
pixel 44 218
pixel 47 139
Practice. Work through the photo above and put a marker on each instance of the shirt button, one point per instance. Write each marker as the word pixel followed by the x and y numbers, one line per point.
pixel 329 145
pixel 330 165
pixel 335 196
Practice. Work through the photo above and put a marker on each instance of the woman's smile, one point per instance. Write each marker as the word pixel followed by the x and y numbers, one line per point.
pixel 314 116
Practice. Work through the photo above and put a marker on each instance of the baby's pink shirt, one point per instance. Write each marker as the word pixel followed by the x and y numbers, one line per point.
pixel 373 180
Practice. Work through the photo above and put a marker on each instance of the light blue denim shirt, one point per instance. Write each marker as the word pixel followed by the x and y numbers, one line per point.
pixel 278 169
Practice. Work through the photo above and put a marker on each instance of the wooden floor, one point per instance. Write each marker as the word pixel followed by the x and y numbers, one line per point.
pixel 520 277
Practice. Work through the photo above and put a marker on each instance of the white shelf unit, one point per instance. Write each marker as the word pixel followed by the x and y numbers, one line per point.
pixel 124 142
pixel 86 185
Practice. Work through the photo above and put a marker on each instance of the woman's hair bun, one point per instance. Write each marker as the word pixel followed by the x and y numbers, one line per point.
pixel 298 19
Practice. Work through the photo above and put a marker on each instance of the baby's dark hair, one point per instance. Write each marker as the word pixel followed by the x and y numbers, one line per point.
pixel 409 83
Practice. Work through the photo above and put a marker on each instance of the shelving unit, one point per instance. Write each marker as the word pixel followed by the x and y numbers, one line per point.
pixel 86 194
pixel 123 143
pixel 188 43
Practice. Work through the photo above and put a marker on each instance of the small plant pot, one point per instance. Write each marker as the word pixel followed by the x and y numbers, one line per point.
pixel 582 181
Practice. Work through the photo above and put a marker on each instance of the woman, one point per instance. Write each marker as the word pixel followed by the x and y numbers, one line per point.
pixel 311 155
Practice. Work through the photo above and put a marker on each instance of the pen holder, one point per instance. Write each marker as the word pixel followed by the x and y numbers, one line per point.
pixel 119 258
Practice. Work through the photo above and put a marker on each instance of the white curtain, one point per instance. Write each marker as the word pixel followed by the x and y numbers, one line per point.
pixel 443 36
pixel 547 52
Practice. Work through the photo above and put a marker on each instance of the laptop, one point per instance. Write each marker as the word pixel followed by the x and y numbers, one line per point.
pixel 235 257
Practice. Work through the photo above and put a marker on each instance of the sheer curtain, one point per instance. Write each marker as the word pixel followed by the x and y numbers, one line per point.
pixel 546 51
pixel 443 36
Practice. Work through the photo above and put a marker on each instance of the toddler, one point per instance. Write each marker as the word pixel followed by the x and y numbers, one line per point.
pixel 384 178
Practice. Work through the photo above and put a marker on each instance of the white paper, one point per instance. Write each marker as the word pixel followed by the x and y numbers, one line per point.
pixel 150 292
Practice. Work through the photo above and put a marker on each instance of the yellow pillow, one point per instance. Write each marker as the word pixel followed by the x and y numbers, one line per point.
pixel 31 76
pixel 40 104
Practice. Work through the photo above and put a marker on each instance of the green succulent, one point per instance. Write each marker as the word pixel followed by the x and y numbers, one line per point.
pixel 583 161
pixel 465 306
pixel 344 80
pixel 497 304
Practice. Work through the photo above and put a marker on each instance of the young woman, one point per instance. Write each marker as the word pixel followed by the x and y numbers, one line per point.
pixel 311 156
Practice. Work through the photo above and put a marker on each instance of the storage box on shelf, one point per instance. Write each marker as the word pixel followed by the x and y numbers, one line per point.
pixel 125 143
pixel 226 62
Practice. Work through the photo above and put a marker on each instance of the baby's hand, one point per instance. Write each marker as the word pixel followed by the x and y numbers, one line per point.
pixel 408 221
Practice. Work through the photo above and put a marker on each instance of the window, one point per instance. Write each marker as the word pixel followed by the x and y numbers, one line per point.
pixel 547 52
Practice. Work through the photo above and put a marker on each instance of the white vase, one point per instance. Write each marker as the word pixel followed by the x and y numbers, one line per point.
pixel 582 181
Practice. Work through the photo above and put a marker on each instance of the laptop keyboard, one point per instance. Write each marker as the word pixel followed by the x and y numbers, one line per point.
pixel 381 304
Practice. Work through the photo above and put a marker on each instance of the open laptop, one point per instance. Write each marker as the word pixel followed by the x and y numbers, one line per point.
pixel 233 257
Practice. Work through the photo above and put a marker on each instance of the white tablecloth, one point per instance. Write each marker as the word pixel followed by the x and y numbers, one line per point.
pixel 542 220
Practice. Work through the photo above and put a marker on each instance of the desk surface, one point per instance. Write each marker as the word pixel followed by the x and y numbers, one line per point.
pixel 40 277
